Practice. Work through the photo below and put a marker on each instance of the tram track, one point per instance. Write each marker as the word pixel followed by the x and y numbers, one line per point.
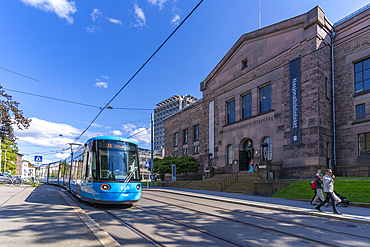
pixel 157 243
pixel 145 236
pixel 247 223
pixel 257 216
pixel 151 239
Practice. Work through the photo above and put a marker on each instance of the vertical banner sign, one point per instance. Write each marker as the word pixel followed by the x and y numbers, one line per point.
pixel 295 101
pixel 211 128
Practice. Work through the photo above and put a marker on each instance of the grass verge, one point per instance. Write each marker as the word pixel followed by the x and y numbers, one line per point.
pixel 144 184
pixel 353 190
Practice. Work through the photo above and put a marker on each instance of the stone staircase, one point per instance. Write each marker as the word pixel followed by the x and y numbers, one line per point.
pixel 244 185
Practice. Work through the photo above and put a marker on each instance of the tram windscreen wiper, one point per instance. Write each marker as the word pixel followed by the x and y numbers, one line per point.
pixel 130 175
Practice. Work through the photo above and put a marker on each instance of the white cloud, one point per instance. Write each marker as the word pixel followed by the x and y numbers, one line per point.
pixel 43 133
pixel 139 134
pixel 175 20
pixel 96 14
pixel 139 16
pixel 63 155
pixel 158 3
pixel 176 16
pixel 101 84
pixel 62 8
pixel 49 137
pixel 115 21
pixel 116 133
pixel 105 77
pixel 93 29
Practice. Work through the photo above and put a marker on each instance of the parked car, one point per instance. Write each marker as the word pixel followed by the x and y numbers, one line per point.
pixel 5 178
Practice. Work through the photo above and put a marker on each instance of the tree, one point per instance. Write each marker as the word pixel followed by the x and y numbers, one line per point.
pixel 163 166
pixel 183 164
pixel 11 156
pixel 10 115
pixel 187 164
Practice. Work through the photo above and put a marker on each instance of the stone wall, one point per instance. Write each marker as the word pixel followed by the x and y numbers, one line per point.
pixel 352 44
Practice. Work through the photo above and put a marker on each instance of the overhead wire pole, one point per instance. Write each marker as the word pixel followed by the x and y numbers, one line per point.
pixel 152 148
pixel 105 106
pixel 259 13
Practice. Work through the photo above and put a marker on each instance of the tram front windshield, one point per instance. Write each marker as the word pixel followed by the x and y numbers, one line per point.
pixel 117 159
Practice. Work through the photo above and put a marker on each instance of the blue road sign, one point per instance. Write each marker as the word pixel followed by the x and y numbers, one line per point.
pixel 147 164
pixel 38 158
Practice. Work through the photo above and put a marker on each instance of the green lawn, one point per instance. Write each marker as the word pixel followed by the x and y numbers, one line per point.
pixel 353 190
pixel 143 184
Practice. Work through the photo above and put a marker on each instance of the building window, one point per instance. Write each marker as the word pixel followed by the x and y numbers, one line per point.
pixel 231 112
pixel 360 111
pixel 185 151
pixel 245 64
pixel 266 146
pixel 196 149
pixel 230 155
pixel 265 98
pixel 326 88
pixel 185 134
pixel 247 105
pixel 196 132
pixel 362 75
pixel 364 144
pixel 176 139
pixel 175 153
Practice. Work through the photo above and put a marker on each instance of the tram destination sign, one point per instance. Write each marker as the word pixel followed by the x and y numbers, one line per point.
pixel 116 146
pixel 295 101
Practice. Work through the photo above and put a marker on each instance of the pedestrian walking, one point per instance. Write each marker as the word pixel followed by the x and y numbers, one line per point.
pixel 251 166
pixel 319 194
pixel 328 180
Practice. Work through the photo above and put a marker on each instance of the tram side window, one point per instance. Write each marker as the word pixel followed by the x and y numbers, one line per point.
pixel 79 166
pixel 85 171
pixel 92 165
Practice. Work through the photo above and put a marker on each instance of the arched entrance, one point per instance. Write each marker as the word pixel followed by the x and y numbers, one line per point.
pixel 246 155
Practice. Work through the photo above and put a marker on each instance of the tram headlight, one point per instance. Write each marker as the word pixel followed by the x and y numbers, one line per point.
pixel 105 187
pixel 138 186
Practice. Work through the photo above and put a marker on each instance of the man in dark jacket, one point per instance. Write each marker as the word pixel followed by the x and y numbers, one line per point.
pixel 319 194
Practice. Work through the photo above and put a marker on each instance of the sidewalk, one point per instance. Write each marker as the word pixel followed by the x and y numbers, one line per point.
pixel 350 214
pixel 41 216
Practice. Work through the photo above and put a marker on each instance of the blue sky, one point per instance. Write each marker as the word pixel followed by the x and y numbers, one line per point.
pixel 85 51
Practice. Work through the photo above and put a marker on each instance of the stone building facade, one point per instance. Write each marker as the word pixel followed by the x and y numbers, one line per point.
pixel 352 93
pixel 277 81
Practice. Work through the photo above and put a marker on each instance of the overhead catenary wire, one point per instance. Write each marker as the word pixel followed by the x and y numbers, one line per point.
pixel 139 132
pixel 47 97
pixel 77 138
pixel 31 78
pixel 77 103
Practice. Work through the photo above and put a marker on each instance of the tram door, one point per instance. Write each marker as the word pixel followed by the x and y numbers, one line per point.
pixel 246 155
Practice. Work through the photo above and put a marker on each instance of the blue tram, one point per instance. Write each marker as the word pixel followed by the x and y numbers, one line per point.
pixel 104 170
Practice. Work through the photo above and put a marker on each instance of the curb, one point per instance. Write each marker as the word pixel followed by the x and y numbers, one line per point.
pixel 104 238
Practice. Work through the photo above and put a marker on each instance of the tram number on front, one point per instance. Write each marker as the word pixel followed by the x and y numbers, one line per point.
pixel 117 146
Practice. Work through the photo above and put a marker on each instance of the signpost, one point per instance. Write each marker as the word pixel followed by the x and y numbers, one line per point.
pixel 38 158
pixel 173 172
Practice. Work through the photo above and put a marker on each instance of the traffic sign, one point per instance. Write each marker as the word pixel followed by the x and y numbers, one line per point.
pixel 38 158
pixel 147 164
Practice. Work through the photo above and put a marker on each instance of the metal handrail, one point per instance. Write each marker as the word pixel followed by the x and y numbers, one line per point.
pixel 229 180
pixel 178 183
